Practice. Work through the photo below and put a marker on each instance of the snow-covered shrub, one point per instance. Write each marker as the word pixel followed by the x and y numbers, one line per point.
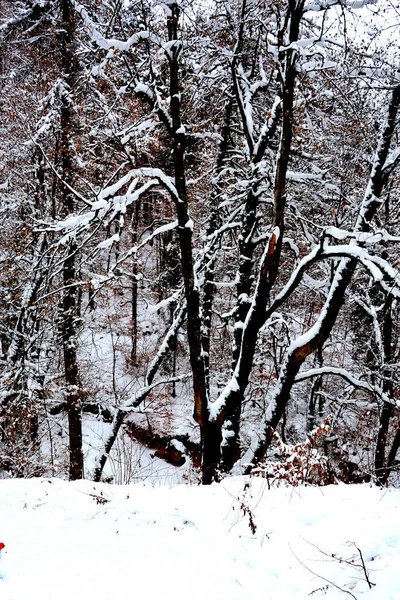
pixel 301 463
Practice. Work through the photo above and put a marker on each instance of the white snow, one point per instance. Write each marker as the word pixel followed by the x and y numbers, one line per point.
pixel 189 225
pixel 172 48
pixel 97 541
pixel 111 190
pixel 111 43
pixel 109 241
pixel 144 89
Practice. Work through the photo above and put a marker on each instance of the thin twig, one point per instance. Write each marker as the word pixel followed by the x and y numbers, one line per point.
pixel 370 584
pixel 321 576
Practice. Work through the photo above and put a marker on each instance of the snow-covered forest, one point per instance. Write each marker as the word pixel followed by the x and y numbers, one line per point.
pixel 199 246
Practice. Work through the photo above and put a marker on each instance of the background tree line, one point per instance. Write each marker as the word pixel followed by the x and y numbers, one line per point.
pixel 200 226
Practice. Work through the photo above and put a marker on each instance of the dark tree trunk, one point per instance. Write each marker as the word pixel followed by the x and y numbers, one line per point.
pixel 192 292
pixel 298 354
pixel 117 423
pixel 393 451
pixel 211 450
pixel 70 276
pixel 134 296
pixel 381 468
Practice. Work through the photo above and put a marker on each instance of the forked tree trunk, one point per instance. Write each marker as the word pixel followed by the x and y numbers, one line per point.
pixel 319 333
pixel 250 318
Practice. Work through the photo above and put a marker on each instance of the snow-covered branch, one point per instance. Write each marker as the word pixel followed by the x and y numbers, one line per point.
pixel 112 44
pixel 349 377
pixel 133 403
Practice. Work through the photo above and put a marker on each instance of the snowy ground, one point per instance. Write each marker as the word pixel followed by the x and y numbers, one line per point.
pixel 196 542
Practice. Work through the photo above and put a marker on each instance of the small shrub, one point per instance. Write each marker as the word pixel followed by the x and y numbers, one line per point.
pixel 301 463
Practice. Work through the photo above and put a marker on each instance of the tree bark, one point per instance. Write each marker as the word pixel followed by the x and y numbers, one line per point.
pixel 381 467
pixel 69 303
pixel 185 233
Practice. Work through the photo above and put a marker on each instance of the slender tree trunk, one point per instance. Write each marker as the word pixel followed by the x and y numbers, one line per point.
pixel 315 392
pixel 381 468
pixel 393 451
pixel 134 296
pixel 301 349
pixel 185 233
pixel 215 222
pixel 70 303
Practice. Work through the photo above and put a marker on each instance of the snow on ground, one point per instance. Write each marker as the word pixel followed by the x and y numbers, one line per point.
pixel 89 541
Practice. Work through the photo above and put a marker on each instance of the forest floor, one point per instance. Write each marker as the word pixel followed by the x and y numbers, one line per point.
pixel 234 540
